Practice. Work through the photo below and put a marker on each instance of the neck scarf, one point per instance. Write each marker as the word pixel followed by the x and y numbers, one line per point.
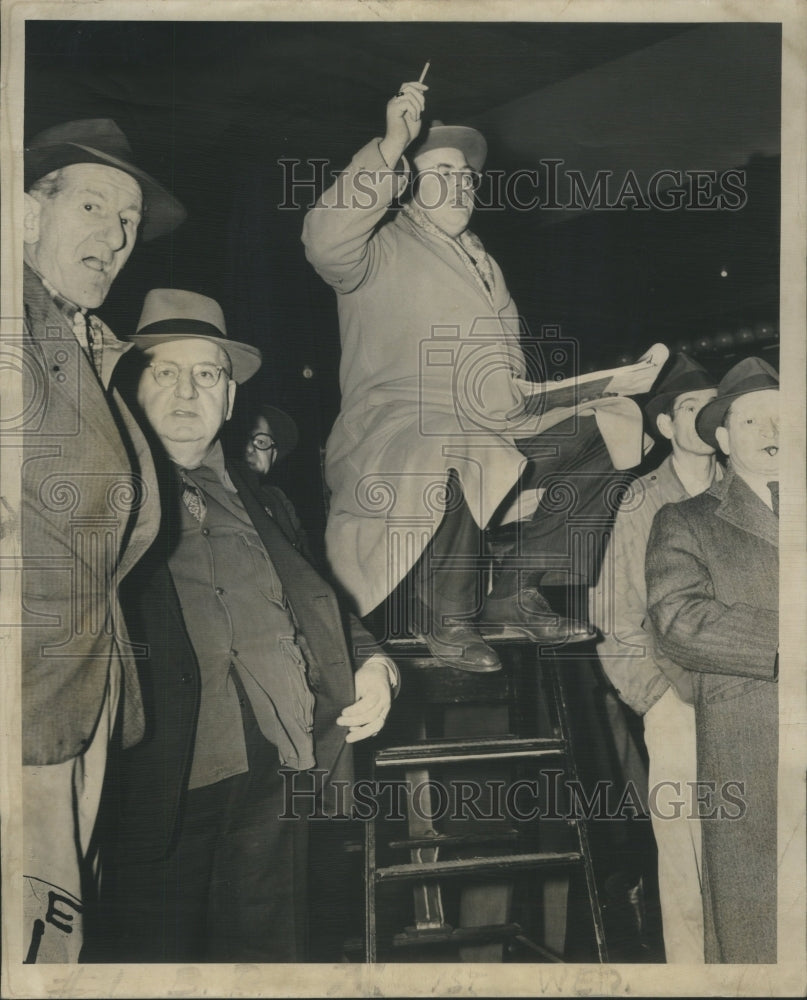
pixel 467 246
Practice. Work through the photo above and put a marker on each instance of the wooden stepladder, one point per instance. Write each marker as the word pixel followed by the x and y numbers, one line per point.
pixel 432 858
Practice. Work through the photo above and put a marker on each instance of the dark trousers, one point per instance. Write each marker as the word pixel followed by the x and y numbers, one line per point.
pixel 233 889
pixel 563 537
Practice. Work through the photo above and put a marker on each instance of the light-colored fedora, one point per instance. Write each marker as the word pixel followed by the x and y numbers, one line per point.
pixel 174 314
pixel 462 137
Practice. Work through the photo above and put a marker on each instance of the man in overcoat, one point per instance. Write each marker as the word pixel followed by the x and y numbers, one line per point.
pixel 251 697
pixel 424 450
pixel 89 508
pixel 712 576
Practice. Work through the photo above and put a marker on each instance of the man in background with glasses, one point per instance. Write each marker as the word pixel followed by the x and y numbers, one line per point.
pixel 248 682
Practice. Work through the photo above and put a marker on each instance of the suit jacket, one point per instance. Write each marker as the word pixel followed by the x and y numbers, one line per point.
pixel 90 510
pixel 149 783
pixel 712 586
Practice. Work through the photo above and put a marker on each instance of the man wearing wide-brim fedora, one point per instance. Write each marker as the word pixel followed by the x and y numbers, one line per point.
pixel 89 508
pixel 712 577
pixel 249 673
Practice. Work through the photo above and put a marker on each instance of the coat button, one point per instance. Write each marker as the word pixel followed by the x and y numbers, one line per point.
pixel 186 678
pixel 219 591
pixel 205 531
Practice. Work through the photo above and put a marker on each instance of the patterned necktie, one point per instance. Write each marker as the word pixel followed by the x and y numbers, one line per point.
pixel 193 498
pixel 774 488
pixel 89 334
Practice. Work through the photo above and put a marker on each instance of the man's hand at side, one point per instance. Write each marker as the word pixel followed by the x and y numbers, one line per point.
pixel 374 686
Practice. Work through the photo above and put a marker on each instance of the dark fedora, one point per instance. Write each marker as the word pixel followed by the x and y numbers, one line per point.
pixel 173 314
pixel 685 375
pixel 282 428
pixel 468 140
pixel 750 375
pixel 99 140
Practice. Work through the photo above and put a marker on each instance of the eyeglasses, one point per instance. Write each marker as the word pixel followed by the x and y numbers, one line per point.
pixel 470 179
pixel 203 374
pixel 263 442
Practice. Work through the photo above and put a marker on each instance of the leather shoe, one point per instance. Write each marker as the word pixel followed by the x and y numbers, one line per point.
pixel 461 647
pixel 529 613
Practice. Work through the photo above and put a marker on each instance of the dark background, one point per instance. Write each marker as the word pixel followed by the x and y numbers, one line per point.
pixel 212 107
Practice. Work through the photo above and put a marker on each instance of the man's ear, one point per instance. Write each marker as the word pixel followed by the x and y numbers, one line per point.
pixel 722 438
pixel 30 225
pixel 665 425
pixel 231 398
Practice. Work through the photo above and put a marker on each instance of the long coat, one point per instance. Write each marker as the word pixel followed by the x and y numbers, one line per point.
pixel 149 783
pixel 426 377
pixel 712 576
pixel 90 510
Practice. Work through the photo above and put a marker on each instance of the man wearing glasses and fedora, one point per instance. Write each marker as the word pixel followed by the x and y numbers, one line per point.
pixel 249 681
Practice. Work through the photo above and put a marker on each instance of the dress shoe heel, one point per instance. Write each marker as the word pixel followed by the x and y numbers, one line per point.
pixel 529 614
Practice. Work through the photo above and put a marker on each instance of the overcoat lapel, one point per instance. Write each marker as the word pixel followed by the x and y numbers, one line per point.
pixel 741 507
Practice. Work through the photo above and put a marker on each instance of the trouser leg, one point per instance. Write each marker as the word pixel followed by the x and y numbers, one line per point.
pixel 60 807
pixel 451 577
pixel 566 532
pixel 233 887
pixel 669 728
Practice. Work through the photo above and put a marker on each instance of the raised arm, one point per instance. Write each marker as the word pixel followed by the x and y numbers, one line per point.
pixel 338 230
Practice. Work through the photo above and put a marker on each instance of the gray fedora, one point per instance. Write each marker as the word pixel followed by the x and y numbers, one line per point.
pixel 749 375
pixel 99 140
pixel 685 375
pixel 173 314
pixel 462 137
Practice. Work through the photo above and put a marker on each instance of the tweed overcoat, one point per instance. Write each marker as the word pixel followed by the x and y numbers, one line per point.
pixel 712 574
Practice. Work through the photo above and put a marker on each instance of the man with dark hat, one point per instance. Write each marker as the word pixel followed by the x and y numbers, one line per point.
pixel 249 676
pixel 712 575
pixel 646 680
pixel 434 431
pixel 89 507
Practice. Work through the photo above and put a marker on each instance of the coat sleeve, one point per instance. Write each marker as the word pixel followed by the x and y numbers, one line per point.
pixel 338 230
pixel 692 627
pixel 619 610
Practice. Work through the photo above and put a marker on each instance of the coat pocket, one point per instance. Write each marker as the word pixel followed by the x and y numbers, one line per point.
pixel 717 687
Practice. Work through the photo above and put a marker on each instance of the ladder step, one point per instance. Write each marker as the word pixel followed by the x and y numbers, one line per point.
pixel 477 866
pixel 454 840
pixel 414 937
pixel 487 748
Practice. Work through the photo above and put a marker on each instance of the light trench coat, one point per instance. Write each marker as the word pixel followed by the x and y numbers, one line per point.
pixel 427 380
